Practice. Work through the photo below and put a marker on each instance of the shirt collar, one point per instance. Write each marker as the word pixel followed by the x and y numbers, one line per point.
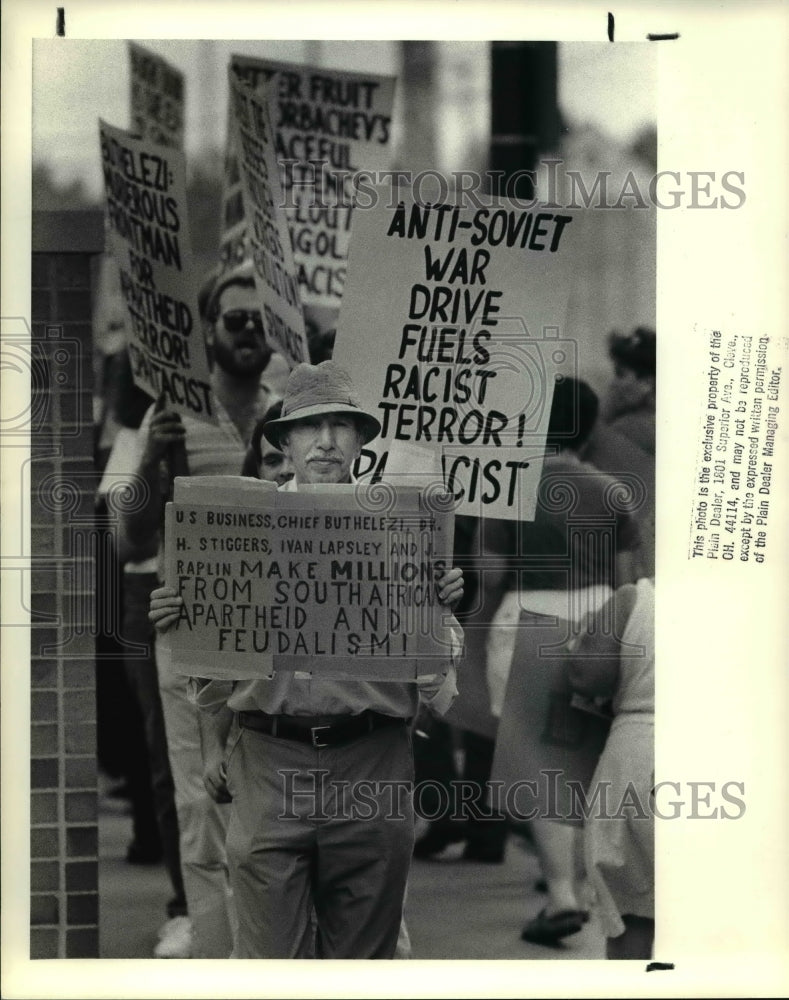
pixel 291 486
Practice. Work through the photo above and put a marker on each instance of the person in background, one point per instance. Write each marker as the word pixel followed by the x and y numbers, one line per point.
pixel 120 733
pixel 120 744
pixel 109 329
pixel 150 777
pixel 333 889
pixel 320 326
pixel 623 441
pixel 620 846
pixel 629 406
pixel 263 460
pixel 482 830
pixel 168 445
pixel 526 569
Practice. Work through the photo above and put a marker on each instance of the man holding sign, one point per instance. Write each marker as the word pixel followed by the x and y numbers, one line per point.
pixel 303 746
pixel 169 444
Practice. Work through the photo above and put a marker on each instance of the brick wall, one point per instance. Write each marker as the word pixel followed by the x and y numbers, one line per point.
pixel 62 482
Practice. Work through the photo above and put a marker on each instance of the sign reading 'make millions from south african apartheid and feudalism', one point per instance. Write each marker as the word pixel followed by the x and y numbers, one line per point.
pixel 328 126
pixel 335 581
pixel 148 235
pixel 264 227
pixel 451 329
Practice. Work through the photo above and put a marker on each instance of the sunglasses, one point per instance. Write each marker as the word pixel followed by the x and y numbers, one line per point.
pixel 236 320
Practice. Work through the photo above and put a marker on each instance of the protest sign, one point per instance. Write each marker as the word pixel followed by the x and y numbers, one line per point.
pixel 450 327
pixel 157 98
pixel 263 229
pixel 148 235
pixel 328 125
pixel 336 581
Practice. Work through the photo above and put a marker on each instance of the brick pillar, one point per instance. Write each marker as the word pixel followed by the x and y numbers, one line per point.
pixel 63 782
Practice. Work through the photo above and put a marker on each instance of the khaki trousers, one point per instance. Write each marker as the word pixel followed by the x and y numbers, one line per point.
pixel 202 823
pixel 319 844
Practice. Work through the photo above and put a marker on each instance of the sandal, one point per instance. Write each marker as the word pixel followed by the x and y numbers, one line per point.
pixel 550 930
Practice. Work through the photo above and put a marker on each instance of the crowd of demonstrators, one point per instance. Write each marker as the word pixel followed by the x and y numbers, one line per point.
pixel 302 888
pixel 168 445
pixel 523 553
pixel 226 909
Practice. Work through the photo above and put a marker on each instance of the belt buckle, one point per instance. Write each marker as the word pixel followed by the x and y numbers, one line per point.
pixel 316 741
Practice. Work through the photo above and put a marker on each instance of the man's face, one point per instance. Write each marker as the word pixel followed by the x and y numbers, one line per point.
pixel 322 449
pixel 241 350
pixel 274 466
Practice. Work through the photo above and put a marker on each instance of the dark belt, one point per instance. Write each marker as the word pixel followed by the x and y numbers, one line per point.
pixel 293 727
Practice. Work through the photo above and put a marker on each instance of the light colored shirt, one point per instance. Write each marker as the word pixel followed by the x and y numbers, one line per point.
pixel 302 694
pixel 211 449
pixel 636 691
